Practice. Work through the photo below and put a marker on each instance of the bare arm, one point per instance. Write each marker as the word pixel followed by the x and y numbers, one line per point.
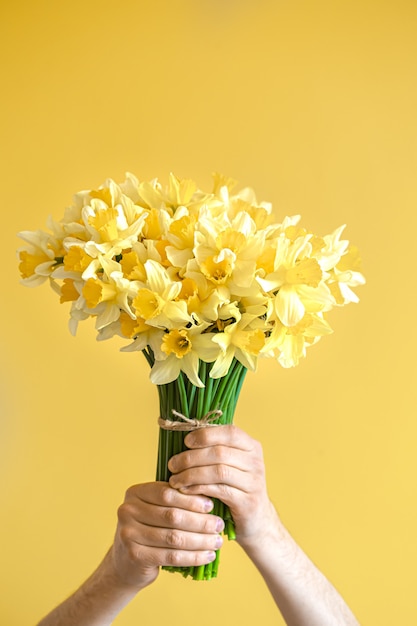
pixel 160 525
pixel 226 463
pixel 157 526
pixel 96 603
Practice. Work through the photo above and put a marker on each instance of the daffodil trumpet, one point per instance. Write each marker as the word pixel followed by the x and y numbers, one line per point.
pixel 218 397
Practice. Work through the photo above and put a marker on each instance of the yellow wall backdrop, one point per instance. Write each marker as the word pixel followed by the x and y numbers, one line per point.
pixel 313 103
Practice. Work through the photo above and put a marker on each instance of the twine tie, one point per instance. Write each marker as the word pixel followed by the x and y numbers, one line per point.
pixel 190 423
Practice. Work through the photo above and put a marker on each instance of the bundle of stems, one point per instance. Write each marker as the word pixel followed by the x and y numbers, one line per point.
pixel 181 396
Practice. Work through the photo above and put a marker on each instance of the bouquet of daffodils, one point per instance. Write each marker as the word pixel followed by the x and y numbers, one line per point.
pixel 203 283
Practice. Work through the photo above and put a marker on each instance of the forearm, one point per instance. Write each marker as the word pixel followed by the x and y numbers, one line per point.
pixel 151 515
pixel 302 593
pixel 96 603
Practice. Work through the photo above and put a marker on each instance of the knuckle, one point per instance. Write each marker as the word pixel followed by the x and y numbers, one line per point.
pixel 173 558
pixel 133 492
pixel 184 459
pixel 232 431
pixel 222 473
pixel 124 512
pixel 173 517
pixel 125 535
pixel 168 495
pixel 174 538
pixel 226 493
pixel 209 524
pixel 134 553
pixel 222 454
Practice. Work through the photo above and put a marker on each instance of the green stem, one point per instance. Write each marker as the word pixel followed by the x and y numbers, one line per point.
pixel 184 397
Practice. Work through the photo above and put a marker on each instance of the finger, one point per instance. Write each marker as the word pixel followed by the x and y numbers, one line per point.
pixel 176 558
pixel 171 538
pixel 228 435
pixel 226 493
pixel 212 474
pixel 151 515
pixel 161 494
pixel 212 455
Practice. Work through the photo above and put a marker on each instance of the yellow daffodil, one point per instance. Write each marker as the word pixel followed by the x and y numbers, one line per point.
pixel 345 275
pixel 202 297
pixel 39 258
pixel 290 344
pixel 143 335
pixel 183 348
pixel 297 283
pixel 112 229
pixel 243 339
pixel 192 276
pixel 156 301
pixel 108 295
pixel 227 250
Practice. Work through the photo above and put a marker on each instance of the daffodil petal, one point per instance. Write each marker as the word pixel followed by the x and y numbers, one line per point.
pixel 288 306
pixel 222 364
pixel 157 276
pixel 166 371
pixel 189 365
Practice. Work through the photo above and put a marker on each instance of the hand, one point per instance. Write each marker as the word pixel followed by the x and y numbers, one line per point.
pixel 157 526
pixel 226 463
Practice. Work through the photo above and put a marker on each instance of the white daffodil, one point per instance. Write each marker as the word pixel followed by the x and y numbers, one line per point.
pixel 144 336
pixel 245 201
pixel 297 282
pixel 109 228
pixel 107 296
pixel 333 248
pixel 178 193
pixel 203 298
pixel 109 194
pixel 345 275
pixel 39 258
pixel 242 339
pixel 289 345
pixel 183 348
pixel 226 251
pixel 156 301
pixel 180 237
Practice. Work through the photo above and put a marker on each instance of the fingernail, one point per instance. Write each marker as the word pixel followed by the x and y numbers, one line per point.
pixel 208 505
pixel 219 541
pixel 211 556
pixel 219 525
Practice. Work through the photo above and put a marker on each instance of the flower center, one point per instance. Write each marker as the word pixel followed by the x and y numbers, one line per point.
pixel 29 263
pixel 105 223
pixel 148 304
pixel 307 272
pixel 176 342
pixel 217 272
pixel 76 260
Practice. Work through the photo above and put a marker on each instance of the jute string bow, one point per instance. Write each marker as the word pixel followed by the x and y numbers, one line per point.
pixel 190 423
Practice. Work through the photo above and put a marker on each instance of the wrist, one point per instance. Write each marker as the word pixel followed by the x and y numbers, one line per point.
pixel 122 578
pixel 269 532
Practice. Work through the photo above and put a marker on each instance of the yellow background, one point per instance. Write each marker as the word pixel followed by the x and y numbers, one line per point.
pixel 313 103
